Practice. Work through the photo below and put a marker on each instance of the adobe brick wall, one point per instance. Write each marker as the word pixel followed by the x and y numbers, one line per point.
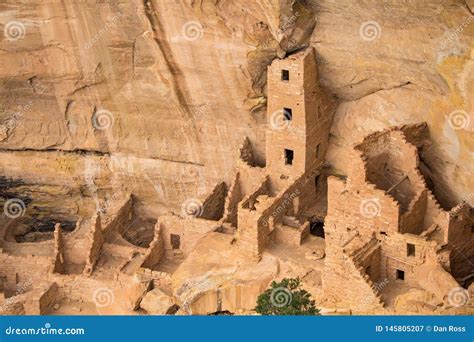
pixel 461 240
pixel 190 230
pixel 96 241
pixel 246 153
pixel 409 215
pixel 156 250
pixel 47 297
pixel 213 206
pixel 58 258
pixel 311 117
pixel 232 201
pixel 118 215
pixel 20 271
pixel 412 221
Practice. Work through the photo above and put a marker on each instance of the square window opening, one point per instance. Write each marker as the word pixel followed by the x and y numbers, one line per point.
pixel 287 114
pixel 400 275
pixel 285 75
pixel 410 249
pixel 288 157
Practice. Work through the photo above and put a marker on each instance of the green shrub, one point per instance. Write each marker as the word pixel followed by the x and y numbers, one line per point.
pixel 286 298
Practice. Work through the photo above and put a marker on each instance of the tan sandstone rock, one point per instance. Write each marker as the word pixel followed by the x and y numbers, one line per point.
pixel 156 302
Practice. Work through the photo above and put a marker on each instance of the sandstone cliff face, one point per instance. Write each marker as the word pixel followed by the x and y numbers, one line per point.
pixel 155 96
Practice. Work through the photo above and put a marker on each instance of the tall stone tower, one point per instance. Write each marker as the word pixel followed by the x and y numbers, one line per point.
pixel 297 131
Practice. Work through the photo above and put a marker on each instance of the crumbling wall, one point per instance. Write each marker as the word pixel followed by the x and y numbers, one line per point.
pixel 291 236
pixel 80 288
pixel 347 283
pixel 156 250
pixel 362 209
pixel 232 201
pixel 96 240
pixel 252 234
pixel 20 272
pixel 391 163
pixel 76 247
pixel 461 240
pixel 213 206
pixel 48 295
pixel 118 216
pixel 369 258
pixel 260 214
pixel 189 231
pixel 412 221
pixel 13 308
pixel 246 153
pixel 396 256
pixel 58 258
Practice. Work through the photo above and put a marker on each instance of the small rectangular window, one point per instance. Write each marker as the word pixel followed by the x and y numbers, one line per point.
pixel 288 157
pixel 285 75
pixel 175 241
pixel 288 114
pixel 410 249
pixel 318 150
pixel 400 275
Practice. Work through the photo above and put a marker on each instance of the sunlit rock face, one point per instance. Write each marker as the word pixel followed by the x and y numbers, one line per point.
pixel 169 86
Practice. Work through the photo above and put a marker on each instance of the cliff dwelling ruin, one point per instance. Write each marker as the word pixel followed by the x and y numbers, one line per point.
pixel 151 176
pixel 361 242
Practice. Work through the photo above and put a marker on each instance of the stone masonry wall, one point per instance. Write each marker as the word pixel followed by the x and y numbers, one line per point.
pixel 96 240
pixel 189 230
pixel 58 258
pixel 155 252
